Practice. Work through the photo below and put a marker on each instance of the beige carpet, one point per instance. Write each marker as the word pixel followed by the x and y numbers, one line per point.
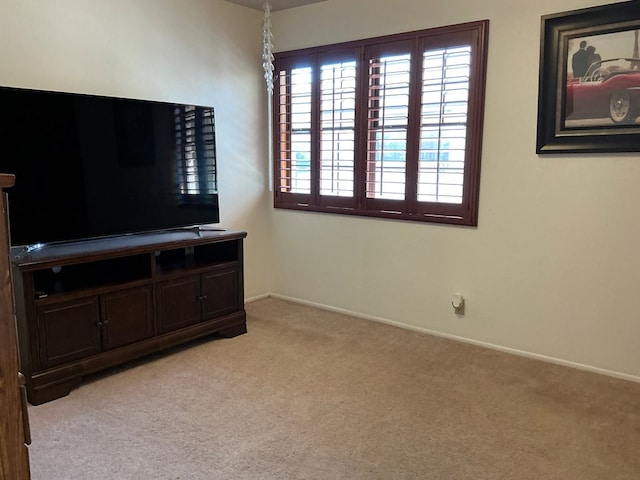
pixel 309 394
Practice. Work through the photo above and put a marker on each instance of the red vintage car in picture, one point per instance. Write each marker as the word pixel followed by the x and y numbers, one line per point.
pixel 608 92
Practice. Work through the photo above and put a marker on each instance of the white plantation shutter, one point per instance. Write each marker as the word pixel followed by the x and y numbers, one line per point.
pixel 337 128
pixel 387 126
pixel 294 124
pixel 445 95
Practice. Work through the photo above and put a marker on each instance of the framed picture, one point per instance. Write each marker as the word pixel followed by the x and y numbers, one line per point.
pixel 589 87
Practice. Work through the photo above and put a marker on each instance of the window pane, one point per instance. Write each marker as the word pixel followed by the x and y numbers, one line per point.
pixel 445 95
pixel 337 128
pixel 388 113
pixel 295 130
pixel 300 163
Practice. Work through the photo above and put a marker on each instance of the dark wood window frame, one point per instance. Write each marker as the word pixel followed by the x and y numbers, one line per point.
pixel 365 52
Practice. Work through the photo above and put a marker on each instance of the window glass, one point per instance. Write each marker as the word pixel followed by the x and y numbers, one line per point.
pixel 295 130
pixel 337 128
pixel 445 95
pixel 387 125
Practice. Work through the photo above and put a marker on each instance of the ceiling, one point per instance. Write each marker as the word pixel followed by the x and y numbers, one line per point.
pixel 275 4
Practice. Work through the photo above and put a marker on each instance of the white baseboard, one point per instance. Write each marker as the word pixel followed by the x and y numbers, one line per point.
pixel 256 298
pixel 513 351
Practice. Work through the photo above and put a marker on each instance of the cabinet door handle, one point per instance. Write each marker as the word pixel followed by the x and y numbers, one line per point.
pixel 201 297
pixel 25 412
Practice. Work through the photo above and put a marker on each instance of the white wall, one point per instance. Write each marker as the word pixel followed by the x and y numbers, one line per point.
pixel 553 269
pixel 193 51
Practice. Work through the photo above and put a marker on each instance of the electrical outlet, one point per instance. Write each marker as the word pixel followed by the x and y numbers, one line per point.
pixel 457 302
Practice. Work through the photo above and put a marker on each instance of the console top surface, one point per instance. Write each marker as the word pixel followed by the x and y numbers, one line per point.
pixel 42 256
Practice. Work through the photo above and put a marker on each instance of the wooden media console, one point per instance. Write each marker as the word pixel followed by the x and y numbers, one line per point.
pixel 86 306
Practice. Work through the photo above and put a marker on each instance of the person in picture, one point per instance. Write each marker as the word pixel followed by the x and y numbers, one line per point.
pixel 592 57
pixel 579 60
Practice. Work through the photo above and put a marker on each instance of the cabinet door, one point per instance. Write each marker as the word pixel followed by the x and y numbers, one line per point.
pixel 220 293
pixel 178 303
pixel 68 331
pixel 127 317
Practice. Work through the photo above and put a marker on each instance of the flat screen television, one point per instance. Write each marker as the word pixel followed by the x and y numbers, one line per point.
pixel 91 166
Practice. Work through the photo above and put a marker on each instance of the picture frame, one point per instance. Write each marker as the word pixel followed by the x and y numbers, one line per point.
pixel 589 83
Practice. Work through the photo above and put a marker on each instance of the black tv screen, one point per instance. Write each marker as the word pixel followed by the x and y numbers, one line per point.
pixel 92 166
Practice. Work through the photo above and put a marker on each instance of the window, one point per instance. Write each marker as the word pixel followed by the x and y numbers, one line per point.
pixel 388 127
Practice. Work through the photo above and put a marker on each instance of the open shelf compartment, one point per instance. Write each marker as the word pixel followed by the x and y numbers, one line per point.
pixel 80 276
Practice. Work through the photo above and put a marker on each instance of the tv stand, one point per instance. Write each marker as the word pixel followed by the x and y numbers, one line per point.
pixel 86 306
